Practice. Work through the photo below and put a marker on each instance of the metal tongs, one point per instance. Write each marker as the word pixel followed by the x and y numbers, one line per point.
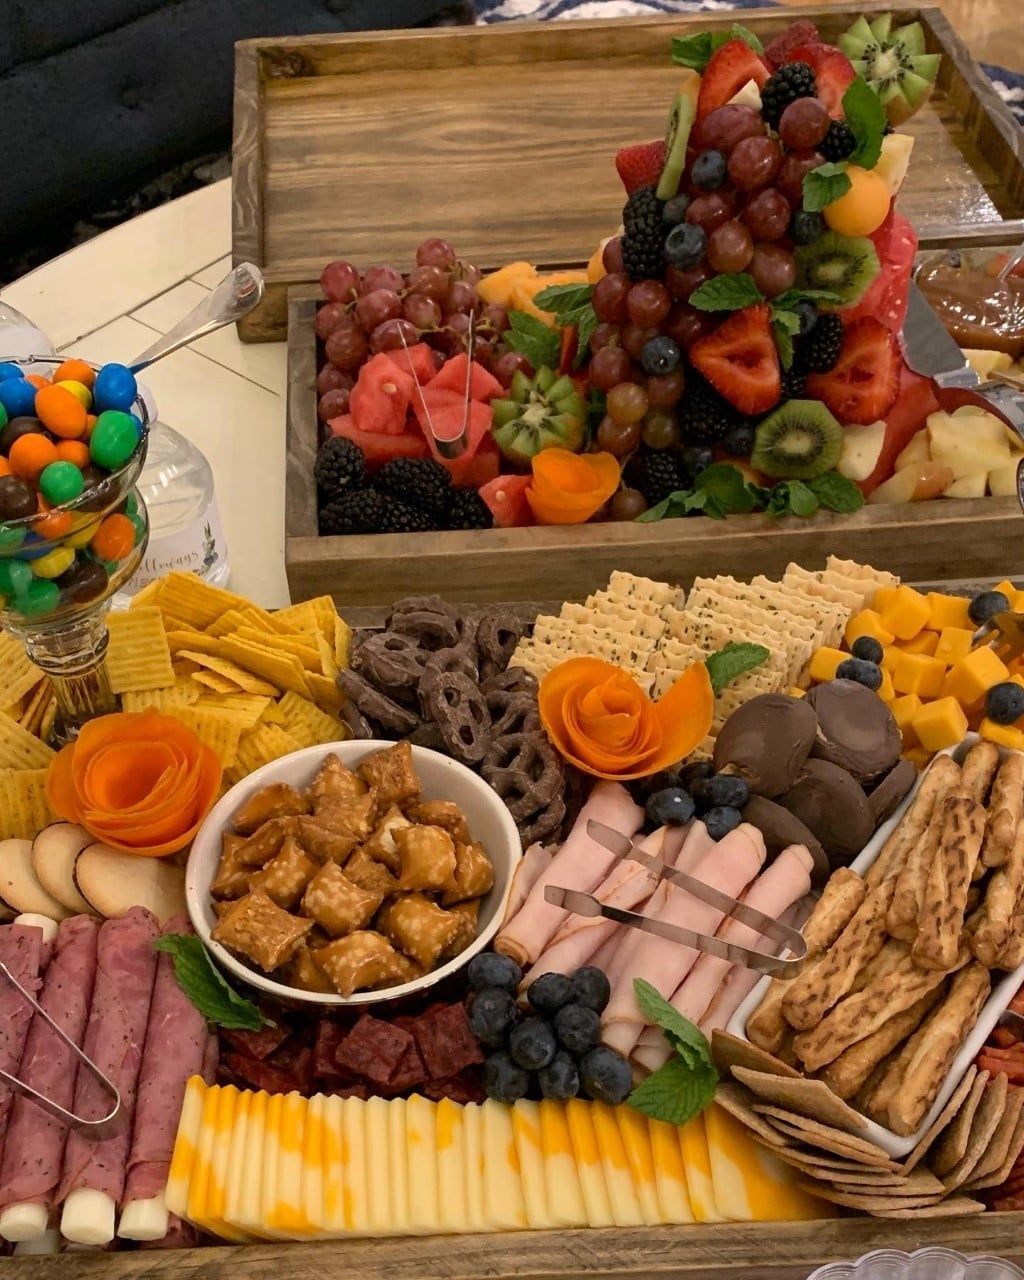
pixel 585 904
pixel 456 446
pixel 1003 632
pixel 106 1126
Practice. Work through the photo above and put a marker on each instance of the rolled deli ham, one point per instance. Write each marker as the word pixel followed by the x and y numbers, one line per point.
pixel 528 869
pixel 729 867
pixel 738 985
pixel 581 864
pixel 33 1156
pixel 114 1040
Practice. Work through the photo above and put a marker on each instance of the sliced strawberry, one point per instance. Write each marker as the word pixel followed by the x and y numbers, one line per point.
pixel 866 380
pixel 378 447
pixel 506 497
pixel 640 165
pixel 833 73
pixel 914 402
pixel 796 34
pixel 740 360
pixel 728 70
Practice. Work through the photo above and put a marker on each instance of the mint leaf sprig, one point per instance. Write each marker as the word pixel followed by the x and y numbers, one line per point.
pixel 571 305
pixel 695 51
pixel 866 118
pixel 532 338
pixel 685 1085
pixel 733 292
pixel 732 661
pixel 721 490
pixel 206 987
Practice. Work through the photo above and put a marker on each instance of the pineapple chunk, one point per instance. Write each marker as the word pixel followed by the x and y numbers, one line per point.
pixel 916 451
pixel 914 484
pixel 862 447
pixel 968 445
pixel 1002 481
pixel 895 160
pixel 750 96
pixel 968 486
pixel 986 363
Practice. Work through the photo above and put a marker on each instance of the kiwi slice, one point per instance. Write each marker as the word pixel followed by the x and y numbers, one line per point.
pixel 799 441
pixel 538 413
pixel 843 265
pixel 893 62
pixel 680 122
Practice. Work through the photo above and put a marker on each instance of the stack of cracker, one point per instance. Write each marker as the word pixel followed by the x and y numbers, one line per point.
pixel 26 718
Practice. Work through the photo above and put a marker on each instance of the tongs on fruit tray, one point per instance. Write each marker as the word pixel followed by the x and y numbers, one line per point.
pixel 448 446
pixel 106 1126
pixel 586 904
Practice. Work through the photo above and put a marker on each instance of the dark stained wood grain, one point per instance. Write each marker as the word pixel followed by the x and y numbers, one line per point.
pixel 501 139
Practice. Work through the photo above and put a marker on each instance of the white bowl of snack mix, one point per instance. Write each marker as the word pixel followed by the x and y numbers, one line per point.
pixel 352 873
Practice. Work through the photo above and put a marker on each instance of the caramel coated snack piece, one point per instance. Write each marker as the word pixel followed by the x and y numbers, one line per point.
pixel 360 960
pixel 334 782
pixel 263 844
pixel 352 816
pixel 474 875
pixel 419 927
pixel 338 904
pixel 391 775
pixel 381 844
pixel 286 875
pixel 364 871
pixel 279 800
pixel 232 877
pixel 442 813
pixel 467 916
pixel 257 928
pixel 426 856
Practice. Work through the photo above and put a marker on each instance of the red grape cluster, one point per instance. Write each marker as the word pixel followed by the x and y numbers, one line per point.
pixel 373 312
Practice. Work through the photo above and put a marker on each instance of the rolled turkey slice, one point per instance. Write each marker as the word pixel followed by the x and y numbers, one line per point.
pixel 739 982
pixel 528 869
pixel 729 867
pixel 93 1178
pixel 773 892
pixel 176 1044
pixel 581 863
pixel 34 1153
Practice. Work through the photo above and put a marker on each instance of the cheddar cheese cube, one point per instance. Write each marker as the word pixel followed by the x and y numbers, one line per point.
pixel 1003 735
pixel 954 643
pixel 918 757
pixel 867 623
pixel 882 598
pixel 918 673
pixel 903 709
pixel 972 677
pixel 1012 593
pixel 886 690
pixel 940 724
pixel 795 691
pixel 825 662
pixel 890 656
pixel 906 613
pixel 924 642
pixel 947 611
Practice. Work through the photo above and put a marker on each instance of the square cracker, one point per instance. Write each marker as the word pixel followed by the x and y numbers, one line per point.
pixel 20 749
pixel 952 1145
pixel 825 1136
pixel 956 1101
pixel 986 1121
pixel 731 1051
pixel 829 1168
pixel 921 1182
pixel 24 807
pixel 951 1207
pixel 999 1147
pixel 138 657
pixel 20 675
pixel 979 1182
pixel 735 1100
pixel 811 1098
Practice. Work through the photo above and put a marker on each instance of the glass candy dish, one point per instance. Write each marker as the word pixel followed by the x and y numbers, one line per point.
pixel 924 1264
pixel 59 587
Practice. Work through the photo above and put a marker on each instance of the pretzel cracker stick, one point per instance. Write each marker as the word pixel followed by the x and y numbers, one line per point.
pixel 1005 809
pixel 942 776
pixel 821 985
pixel 997 917
pixel 941 1036
pixel 904 915
pixel 961 831
pixel 849 1073
pixel 887 959
pixel 840 898
pixel 1012 954
pixel 858 1016
pixel 978 770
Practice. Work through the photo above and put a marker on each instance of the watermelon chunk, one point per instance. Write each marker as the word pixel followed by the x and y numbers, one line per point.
pixel 379 447
pixel 418 361
pixel 887 295
pixel 452 377
pixel 506 497
pixel 380 399
pixel 447 412
pixel 914 402
pixel 473 471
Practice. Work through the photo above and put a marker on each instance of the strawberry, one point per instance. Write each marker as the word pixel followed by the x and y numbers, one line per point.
pixel 833 72
pixel 641 165
pixel 740 360
pixel 796 34
pixel 728 70
pixel 866 380
pixel 909 413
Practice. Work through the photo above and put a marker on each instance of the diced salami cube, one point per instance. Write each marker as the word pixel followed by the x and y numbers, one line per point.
pixel 445 1041
pixel 373 1049
pixel 257 1044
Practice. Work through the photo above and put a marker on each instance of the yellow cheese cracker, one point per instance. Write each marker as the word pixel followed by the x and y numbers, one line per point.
pixel 138 657
pixel 24 808
pixel 20 749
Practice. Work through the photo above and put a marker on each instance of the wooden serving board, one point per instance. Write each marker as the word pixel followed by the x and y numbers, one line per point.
pixel 501 139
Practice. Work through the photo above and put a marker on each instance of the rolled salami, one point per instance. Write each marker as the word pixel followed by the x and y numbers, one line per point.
pixel 21 950
pixel 176 1044
pixel 92 1183
pixel 33 1156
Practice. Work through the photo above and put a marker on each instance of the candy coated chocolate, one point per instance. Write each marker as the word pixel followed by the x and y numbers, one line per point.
pixel 856 730
pixel 18 427
pixel 8 370
pixel 767 741
pixel 41 598
pixel 113 439
pixel 15 576
pixel 17 498
pixel 10 538
pixel 114 388
pixel 84 581
pixel 18 396
pixel 95 477
pixel 61 482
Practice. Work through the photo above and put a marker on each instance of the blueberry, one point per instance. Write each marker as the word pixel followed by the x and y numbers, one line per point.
pixel 1004 703
pixel 591 987
pixel 696 457
pixel 578 1028
pixel 504 1080
pixel 660 356
pixel 866 673
pixel 488 969
pixel 806 227
pixel 808 317
pixel 708 172
pixel 549 992
pixel 670 808
pixel 721 820
pixel 690 773
pixel 532 1043
pixel 739 440
pixel 560 1079
pixel 675 210
pixel 491 1014
pixel 725 789
pixel 684 245
pixel 606 1075
pixel 986 606
pixel 868 648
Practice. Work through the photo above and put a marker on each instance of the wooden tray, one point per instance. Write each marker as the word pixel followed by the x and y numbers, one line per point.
pixel 501 139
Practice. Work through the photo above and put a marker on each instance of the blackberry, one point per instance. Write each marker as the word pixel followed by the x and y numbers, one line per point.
pixel 340 467
pixel 401 518
pixel 794 80
pixel 657 474
pixel 704 417
pixel 819 351
pixel 467 510
pixel 839 143
pixel 360 511
pixel 421 483
pixel 793 382
pixel 643 238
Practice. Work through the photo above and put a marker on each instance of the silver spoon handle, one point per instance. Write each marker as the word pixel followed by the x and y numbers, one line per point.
pixel 236 295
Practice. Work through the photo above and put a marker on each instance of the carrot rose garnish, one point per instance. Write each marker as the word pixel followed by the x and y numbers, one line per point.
pixel 138 781
pixel 602 721
pixel 568 488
